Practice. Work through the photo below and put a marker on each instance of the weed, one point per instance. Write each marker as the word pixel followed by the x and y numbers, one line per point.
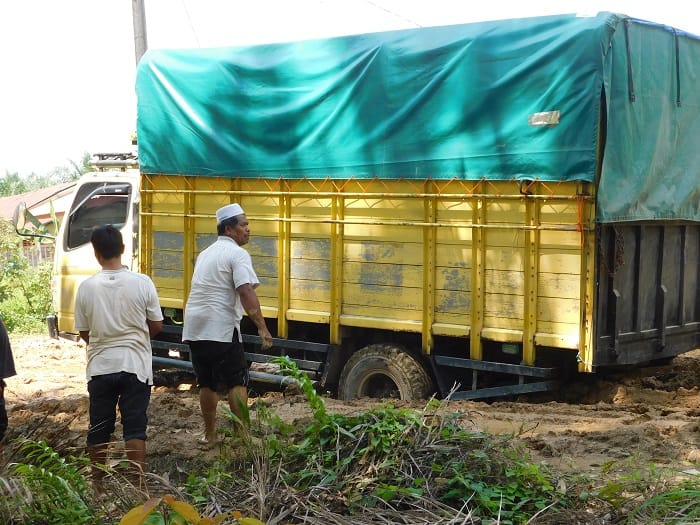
pixel 391 462
pixel 391 456
pixel 55 490
pixel 678 505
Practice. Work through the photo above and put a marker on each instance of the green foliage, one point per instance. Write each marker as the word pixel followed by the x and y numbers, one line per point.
pixel 25 291
pixel 24 309
pixel 625 481
pixel 59 492
pixel 11 257
pixel 377 458
pixel 198 485
pixel 377 462
pixel 647 493
pixel 288 366
pixel 678 505
pixel 14 184
pixel 170 511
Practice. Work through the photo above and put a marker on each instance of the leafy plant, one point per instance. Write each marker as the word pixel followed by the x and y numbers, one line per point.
pixel 331 468
pixel 198 485
pixel 25 290
pixel 289 367
pixel 55 488
pixel 390 456
pixel 167 510
pixel 678 505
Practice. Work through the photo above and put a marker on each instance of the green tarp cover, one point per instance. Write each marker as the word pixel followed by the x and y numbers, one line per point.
pixel 651 163
pixel 541 98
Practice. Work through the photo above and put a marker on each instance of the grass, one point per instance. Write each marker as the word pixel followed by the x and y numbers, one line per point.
pixel 388 465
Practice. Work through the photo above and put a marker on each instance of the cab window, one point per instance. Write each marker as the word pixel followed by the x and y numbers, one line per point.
pixel 96 204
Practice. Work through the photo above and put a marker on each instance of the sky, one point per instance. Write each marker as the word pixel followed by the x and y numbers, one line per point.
pixel 68 68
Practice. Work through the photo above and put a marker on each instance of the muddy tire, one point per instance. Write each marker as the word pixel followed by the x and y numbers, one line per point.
pixel 384 371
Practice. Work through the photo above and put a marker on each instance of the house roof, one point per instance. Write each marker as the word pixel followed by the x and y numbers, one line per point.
pixel 39 201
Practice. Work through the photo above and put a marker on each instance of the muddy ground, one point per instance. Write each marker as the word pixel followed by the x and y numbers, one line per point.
pixel 650 415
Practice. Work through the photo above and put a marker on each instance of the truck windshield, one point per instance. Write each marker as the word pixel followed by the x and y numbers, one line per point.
pixel 96 204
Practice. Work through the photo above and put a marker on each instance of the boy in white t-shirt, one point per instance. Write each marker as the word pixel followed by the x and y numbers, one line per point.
pixel 117 312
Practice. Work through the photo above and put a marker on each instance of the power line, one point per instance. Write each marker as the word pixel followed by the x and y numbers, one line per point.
pixel 392 13
pixel 189 21
pixel 372 3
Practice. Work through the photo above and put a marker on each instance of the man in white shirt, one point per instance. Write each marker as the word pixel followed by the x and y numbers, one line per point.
pixel 117 312
pixel 223 287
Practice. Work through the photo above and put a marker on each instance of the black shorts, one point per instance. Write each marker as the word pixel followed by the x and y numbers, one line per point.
pixel 219 366
pixel 131 395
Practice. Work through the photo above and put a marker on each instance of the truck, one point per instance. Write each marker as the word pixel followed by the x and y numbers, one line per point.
pixel 467 211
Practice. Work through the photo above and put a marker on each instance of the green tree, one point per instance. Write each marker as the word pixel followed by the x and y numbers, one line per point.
pixel 14 184
pixel 72 172
pixel 25 291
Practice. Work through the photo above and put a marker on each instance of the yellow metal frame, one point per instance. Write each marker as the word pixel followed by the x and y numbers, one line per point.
pixel 429 247
pixel 532 242
pixel 336 267
pixel 496 260
pixel 477 309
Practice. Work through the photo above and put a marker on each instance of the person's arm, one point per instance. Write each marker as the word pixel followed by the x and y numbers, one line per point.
pixel 154 327
pixel 85 336
pixel 251 305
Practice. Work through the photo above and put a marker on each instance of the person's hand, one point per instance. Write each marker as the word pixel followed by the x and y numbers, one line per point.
pixel 266 338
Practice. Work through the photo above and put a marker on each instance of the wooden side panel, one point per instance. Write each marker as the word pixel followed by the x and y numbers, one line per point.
pixel 453 262
pixel 383 256
pixel 167 240
pixel 310 249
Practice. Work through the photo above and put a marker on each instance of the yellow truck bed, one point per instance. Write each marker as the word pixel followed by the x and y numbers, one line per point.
pixel 479 261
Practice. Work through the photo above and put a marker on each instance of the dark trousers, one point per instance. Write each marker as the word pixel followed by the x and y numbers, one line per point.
pixel 3 418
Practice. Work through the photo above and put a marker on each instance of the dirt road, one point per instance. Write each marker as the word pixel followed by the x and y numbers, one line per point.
pixel 648 415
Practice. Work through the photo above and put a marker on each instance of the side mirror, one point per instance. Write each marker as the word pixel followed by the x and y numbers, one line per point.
pixel 19 217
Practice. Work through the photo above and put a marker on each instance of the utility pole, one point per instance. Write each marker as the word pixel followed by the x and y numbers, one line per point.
pixel 138 13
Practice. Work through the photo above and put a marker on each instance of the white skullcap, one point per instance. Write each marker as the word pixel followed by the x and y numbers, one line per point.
pixel 228 211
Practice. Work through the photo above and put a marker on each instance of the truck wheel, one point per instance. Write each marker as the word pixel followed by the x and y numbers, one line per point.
pixel 384 371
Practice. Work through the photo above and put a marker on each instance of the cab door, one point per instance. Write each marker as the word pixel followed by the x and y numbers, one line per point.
pixel 97 201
